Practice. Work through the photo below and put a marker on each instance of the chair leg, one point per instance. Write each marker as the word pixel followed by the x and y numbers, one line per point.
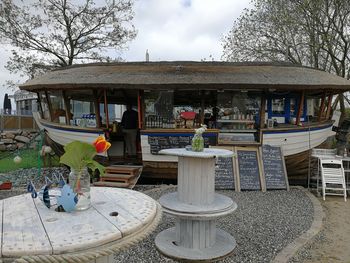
pixel 324 193
pixel 345 195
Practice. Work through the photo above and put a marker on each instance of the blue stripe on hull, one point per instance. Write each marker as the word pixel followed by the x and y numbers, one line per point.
pixel 177 134
pixel 71 129
pixel 299 130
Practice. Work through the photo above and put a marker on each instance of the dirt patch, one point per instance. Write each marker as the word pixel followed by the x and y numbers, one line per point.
pixel 335 247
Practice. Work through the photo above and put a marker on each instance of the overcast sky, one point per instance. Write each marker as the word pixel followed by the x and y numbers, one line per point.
pixel 170 30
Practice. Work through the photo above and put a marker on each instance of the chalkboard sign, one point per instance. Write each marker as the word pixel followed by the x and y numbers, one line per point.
pixel 224 176
pixel 248 168
pixel 274 168
pixel 160 142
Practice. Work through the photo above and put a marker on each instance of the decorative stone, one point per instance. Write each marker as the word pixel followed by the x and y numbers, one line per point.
pixel 20 145
pixel 11 147
pixel 9 135
pixel 20 138
pixel 2 147
pixel 7 141
pixel 17 132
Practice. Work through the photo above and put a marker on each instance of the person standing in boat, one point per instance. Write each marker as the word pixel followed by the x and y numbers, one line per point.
pixel 129 124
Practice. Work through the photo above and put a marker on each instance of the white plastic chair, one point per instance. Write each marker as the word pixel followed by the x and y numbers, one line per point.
pixel 319 154
pixel 333 178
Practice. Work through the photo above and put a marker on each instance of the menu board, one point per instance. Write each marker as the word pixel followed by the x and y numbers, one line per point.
pixel 158 142
pixel 274 168
pixel 248 169
pixel 224 175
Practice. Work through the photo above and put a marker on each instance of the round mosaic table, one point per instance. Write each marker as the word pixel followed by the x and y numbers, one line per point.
pixel 196 206
pixel 117 219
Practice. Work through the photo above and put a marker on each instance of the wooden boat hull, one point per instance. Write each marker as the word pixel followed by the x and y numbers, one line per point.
pixel 298 140
pixel 60 135
pixel 296 144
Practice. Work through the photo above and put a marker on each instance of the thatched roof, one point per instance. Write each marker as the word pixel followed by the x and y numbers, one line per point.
pixel 188 75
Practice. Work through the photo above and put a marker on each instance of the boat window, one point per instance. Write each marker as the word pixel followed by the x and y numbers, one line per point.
pixel 44 106
pixel 57 105
pixel 238 110
pixel 82 110
pixel 238 116
pixel 278 105
pixel 159 107
pixel 187 109
pixel 83 113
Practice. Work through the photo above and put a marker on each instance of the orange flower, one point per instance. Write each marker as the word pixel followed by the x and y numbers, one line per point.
pixel 101 145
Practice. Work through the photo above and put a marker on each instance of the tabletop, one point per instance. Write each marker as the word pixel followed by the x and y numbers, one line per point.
pixel 206 153
pixel 29 228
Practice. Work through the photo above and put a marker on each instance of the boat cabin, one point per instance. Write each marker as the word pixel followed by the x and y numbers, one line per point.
pixel 242 104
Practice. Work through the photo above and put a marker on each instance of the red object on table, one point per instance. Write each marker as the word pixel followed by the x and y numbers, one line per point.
pixel 6 186
pixel 188 115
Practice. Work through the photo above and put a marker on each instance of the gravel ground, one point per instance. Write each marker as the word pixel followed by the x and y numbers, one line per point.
pixel 21 177
pixel 263 224
pixel 304 253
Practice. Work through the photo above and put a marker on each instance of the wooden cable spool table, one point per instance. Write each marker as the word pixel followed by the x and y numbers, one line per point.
pixel 196 207
pixel 33 233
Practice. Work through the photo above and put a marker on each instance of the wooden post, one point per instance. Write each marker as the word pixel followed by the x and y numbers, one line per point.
pixel 329 106
pixel 106 108
pixel 40 106
pixel 1 121
pixel 262 111
pixel 97 109
pixel 140 109
pixel 49 104
pixel 19 120
pixel 300 108
pixel 323 100
pixel 67 107
pixel 201 117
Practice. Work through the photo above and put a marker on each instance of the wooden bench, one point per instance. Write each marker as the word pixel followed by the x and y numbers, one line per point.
pixel 120 176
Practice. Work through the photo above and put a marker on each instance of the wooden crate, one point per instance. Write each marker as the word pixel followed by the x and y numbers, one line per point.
pixel 120 176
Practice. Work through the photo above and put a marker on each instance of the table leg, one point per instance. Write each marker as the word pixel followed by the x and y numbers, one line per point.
pixel 196 207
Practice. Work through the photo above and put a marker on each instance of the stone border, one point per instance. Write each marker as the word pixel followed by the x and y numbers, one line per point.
pixel 317 225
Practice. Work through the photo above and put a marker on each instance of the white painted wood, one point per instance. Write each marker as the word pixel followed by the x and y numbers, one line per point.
pixel 134 210
pixel 79 230
pixel 196 180
pixel 294 142
pixel 223 246
pixel 30 228
pixel 196 207
pixel 220 205
pixel 23 232
pixel 206 153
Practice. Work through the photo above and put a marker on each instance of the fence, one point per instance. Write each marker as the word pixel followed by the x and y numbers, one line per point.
pixel 16 121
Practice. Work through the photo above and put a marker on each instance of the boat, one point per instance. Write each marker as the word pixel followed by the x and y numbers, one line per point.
pixel 242 104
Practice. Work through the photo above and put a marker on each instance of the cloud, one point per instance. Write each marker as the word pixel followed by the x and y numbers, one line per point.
pixel 170 30
pixel 182 30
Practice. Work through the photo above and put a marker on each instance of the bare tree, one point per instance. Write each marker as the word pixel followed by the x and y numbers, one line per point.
pixel 55 33
pixel 309 32
pixel 314 33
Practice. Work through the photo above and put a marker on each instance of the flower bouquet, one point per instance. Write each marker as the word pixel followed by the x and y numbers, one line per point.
pixel 197 140
pixel 79 157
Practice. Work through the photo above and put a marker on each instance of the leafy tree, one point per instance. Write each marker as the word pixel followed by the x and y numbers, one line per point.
pixel 56 33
